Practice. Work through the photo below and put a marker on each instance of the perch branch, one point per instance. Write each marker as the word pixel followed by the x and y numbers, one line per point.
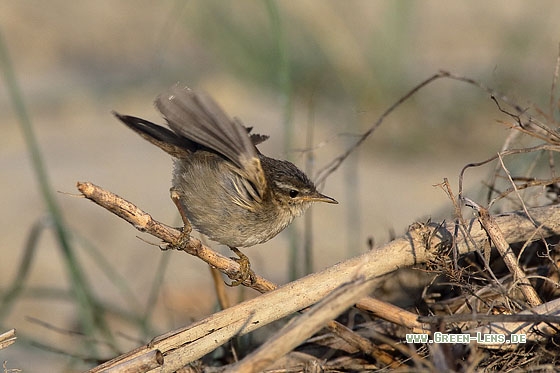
pixel 171 236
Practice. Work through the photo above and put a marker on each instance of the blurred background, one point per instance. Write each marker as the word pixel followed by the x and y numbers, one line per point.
pixel 312 74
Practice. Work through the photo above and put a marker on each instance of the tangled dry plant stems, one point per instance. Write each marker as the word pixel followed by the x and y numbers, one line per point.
pixel 421 243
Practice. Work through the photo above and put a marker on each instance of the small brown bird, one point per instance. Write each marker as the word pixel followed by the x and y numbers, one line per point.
pixel 222 184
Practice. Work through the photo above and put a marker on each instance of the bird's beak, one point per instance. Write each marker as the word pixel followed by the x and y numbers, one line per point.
pixel 318 197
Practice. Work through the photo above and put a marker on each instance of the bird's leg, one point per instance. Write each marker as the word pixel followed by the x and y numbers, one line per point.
pixel 244 267
pixel 186 231
pixel 243 260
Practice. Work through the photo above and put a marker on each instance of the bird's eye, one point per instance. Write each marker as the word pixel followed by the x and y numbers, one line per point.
pixel 293 193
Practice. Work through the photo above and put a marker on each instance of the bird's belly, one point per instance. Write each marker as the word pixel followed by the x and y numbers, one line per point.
pixel 234 226
pixel 207 198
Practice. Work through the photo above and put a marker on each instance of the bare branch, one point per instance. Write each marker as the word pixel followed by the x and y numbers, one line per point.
pixel 171 236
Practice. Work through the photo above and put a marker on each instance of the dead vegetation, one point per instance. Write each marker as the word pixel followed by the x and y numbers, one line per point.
pixel 492 277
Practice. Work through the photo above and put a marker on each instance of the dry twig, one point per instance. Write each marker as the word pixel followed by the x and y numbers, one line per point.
pixel 498 238
pixel 171 236
pixel 7 338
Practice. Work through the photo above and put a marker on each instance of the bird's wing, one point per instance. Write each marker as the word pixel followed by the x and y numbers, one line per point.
pixel 198 117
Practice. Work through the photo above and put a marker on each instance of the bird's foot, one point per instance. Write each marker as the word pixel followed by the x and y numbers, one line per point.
pixel 183 240
pixel 244 268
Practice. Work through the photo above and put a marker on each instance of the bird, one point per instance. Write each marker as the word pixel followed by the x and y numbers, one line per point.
pixel 222 185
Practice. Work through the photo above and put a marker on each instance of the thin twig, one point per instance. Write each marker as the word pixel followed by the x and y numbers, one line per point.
pixel 515 188
pixel 171 236
pixel 335 163
pixel 555 148
pixel 498 238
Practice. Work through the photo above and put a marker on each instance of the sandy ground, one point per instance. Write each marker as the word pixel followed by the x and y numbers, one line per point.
pixel 76 63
